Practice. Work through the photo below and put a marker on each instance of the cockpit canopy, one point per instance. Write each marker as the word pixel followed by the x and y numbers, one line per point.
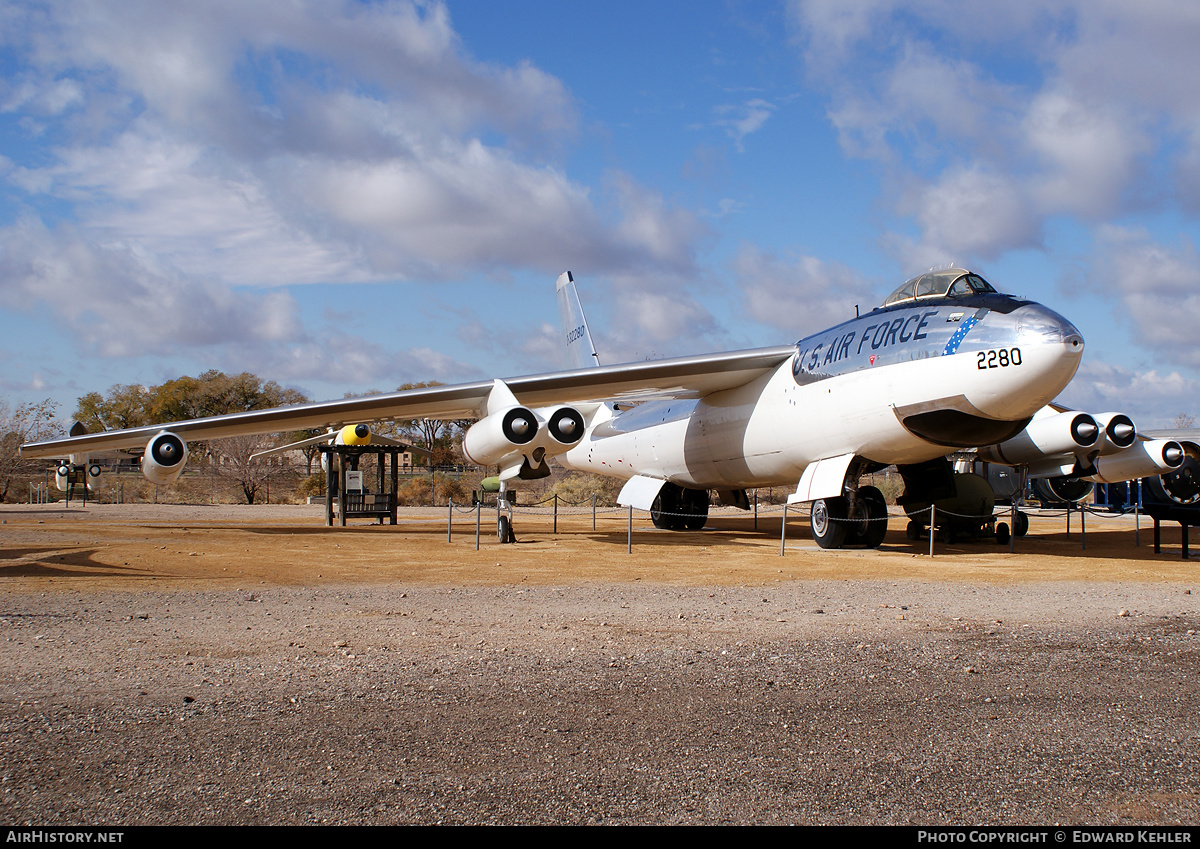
pixel 946 283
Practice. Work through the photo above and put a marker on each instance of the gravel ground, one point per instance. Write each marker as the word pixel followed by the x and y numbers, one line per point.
pixel 143 697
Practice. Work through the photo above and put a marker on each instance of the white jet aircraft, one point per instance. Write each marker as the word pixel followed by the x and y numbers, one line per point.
pixel 946 363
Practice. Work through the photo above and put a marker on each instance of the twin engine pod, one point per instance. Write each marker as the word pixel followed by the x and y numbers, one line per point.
pixel 91 475
pixel 164 459
pixel 520 439
pixel 1046 438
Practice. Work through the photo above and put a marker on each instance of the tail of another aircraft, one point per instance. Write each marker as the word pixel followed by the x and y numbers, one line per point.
pixel 579 351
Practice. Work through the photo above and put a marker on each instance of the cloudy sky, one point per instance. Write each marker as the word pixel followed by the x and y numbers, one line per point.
pixel 344 196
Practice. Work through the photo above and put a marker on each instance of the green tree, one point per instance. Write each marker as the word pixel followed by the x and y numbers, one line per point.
pixel 125 405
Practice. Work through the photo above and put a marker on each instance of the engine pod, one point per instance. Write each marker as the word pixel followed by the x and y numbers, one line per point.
pixel 500 435
pixel 164 458
pixel 1045 437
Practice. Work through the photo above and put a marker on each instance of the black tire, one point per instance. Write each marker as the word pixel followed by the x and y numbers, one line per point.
pixel 875 528
pixel 504 530
pixel 694 509
pixel 1002 533
pixel 828 518
pixel 1021 524
pixel 663 510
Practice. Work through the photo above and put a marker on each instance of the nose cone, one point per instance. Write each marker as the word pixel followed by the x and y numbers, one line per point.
pixel 1037 325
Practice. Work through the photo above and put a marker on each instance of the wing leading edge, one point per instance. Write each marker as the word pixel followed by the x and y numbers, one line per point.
pixel 683 377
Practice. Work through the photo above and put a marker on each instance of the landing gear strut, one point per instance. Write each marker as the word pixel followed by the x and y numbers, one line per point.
pixel 504 511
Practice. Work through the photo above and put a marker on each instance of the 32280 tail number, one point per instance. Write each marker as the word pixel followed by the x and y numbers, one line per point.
pixel 999 358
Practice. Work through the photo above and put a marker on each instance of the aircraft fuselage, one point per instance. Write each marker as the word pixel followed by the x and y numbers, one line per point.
pixel 901 384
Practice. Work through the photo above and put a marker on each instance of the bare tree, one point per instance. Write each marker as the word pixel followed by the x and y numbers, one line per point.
pixel 1183 420
pixel 232 458
pixel 27 423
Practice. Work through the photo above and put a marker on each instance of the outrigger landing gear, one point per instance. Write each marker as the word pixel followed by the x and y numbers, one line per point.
pixel 504 511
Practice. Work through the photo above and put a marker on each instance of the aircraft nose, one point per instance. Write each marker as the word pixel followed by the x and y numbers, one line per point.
pixel 1037 325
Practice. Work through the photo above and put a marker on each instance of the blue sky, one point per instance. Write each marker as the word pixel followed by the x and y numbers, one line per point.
pixel 347 196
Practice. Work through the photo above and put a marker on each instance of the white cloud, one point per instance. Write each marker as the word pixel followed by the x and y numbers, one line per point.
pixel 969 212
pixel 116 303
pixel 1065 105
pixel 743 119
pixel 1151 398
pixel 1156 289
pixel 799 294
pixel 243 144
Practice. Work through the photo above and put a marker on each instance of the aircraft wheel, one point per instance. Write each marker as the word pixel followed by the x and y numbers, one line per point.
pixel 875 528
pixel 694 509
pixel 504 530
pixel 914 530
pixel 663 509
pixel 1021 524
pixel 1002 533
pixel 828 517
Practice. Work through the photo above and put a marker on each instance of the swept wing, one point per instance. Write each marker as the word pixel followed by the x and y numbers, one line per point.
pixel 683 377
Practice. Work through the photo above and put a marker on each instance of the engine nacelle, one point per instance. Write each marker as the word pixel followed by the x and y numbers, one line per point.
pixel 87 473
pixel 564 426
pixel 519 439
pixel 1119 432
pixel 1143 459
pixel 1181 485
pixel 505 434
pixel 164 459
pixel 1045 437
pixel 1062 489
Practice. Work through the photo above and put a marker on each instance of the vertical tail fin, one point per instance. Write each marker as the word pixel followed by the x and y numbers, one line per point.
pixel 579 351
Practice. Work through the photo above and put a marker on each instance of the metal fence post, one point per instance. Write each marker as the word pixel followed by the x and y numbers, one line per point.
pixel 556 512
pixel 449 517
pixel 477 525
pixel 1137 516
pixel 629 538
pixel 783 530
pixel 932 526
pixel 593 511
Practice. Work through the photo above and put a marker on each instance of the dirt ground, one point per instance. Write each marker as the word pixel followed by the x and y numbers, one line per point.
pixel 250 665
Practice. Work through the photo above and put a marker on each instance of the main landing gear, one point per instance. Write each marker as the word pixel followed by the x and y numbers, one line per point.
pixel 679 509
pixel 845 521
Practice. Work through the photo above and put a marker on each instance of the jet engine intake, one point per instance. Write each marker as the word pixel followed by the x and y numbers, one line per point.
pixel 164 459
pixel 565 426
pixel 1119 432
pixel 1061 490
pixel 1046 436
